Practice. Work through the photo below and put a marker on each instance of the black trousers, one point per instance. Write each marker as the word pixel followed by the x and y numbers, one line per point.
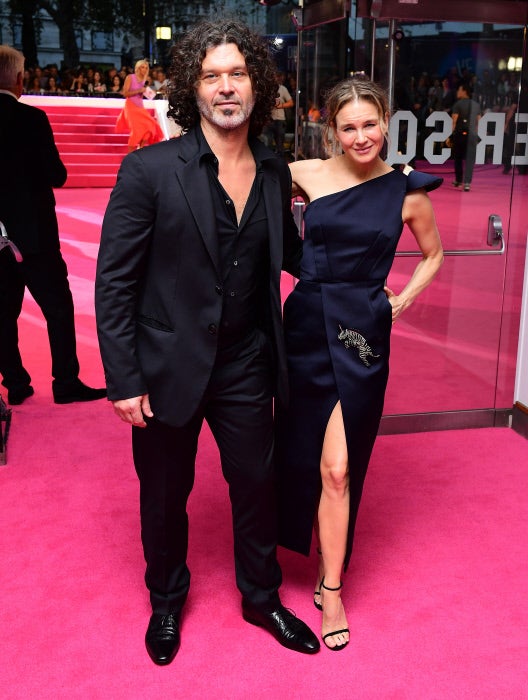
pixel 464 155
pixel 238 408
pixel 46 277
pixel 277 129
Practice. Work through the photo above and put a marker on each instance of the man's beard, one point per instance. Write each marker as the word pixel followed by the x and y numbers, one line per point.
pixel 225 119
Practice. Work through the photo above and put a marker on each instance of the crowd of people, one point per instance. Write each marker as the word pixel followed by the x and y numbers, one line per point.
pixel 466 96
pixel 86 81
pixel 493 90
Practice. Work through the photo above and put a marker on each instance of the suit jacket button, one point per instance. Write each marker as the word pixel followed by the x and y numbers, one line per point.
pixel 212 329
pixel 218 289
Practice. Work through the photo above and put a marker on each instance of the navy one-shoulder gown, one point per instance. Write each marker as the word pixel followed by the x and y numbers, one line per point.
pixel 337 324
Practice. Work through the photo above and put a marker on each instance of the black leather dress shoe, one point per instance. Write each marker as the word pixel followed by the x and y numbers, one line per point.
pixel 17 396
pixel 287 629
pixel 163 638
pixel 79 392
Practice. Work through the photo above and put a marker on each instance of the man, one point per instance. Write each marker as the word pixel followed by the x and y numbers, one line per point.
pixel 31 167
pixel 465 116
pixel 189 320
pixel 276 128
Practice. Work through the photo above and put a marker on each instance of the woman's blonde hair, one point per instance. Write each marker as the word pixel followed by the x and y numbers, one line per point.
pixel 350 90
pixel 141 62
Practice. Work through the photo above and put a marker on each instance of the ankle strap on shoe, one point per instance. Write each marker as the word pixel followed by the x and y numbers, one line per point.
pixel 327 588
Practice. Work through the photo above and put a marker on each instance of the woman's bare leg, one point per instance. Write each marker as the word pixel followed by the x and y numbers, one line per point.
pixel 333 517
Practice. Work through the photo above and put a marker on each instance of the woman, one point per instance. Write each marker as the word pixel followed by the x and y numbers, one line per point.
pixel 79 83
pixel 337 325
pixel 98 85
pixel 35 87
pixel 116 86
pixel 143 128
pixel 52 88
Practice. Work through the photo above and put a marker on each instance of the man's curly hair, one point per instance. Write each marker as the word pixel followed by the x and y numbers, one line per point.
pixel 187 56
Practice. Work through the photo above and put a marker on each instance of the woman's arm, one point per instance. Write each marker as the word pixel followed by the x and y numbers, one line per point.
pixel 419 216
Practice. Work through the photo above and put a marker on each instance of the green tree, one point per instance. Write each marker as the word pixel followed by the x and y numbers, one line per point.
pixel 134 17
pixel 72 15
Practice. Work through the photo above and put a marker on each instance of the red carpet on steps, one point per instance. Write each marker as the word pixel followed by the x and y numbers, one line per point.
pixel 89 146
pixel 436 594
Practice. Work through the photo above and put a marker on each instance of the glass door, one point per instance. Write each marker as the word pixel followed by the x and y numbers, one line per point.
pixel 446 348
pixel 454 351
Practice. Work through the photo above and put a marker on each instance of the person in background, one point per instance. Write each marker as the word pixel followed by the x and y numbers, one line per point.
pixel 26 81
pixel 98 86
pixel 53 72
pixel 89 77
pixel 52 88
pixel 160 84
pixel 465 115
pixel 117 86
pixel 337 324
pixel 35 88
pixel 31 168
pixel 79 83
pixel 276 129
pixel 109 75
pixel 447 96
pixel 189 319
pixel 42 77
pixel 143 129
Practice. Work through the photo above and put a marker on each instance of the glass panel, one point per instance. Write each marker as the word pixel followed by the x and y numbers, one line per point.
pixel 445 348
pixel 323 56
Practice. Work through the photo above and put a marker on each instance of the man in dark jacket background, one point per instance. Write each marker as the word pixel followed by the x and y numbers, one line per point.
pixel 30 167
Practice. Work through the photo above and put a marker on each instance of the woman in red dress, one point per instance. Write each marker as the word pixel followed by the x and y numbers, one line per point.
pixel 143 128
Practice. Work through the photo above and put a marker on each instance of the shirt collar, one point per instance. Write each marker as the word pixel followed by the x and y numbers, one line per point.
pixel 8 92
pixel 258 149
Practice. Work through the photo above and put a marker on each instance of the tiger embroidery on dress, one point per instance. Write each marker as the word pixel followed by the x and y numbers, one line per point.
pixel 353 339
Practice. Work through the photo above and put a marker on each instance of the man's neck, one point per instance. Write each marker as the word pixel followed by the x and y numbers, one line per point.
pixel 229 144
pixel 6 91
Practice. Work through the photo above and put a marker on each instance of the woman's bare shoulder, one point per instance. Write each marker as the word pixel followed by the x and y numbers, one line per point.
pixel 301 168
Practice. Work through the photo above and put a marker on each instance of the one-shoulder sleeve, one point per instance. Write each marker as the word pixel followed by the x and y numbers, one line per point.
pixel 417 180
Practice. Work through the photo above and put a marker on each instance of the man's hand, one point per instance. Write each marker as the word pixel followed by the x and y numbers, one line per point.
pixel 134 410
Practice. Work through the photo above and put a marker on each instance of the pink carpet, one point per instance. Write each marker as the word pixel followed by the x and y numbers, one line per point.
pixel 436 595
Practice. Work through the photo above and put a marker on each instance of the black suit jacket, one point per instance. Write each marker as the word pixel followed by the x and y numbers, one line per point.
pixel 30 167
pixel 157 303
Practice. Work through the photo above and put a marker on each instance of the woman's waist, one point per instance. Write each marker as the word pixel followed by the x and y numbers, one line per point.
pixel 364 282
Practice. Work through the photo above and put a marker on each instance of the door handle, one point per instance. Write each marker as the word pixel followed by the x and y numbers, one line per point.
pixel 494 238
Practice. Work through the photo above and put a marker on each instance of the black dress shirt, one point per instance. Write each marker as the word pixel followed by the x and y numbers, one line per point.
pixel 244 255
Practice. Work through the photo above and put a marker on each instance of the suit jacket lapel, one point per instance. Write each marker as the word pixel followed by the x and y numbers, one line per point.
pixel 273 201
pixel 194 181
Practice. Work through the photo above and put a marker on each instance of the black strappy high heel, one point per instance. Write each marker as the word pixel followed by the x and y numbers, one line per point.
pixel 337 647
